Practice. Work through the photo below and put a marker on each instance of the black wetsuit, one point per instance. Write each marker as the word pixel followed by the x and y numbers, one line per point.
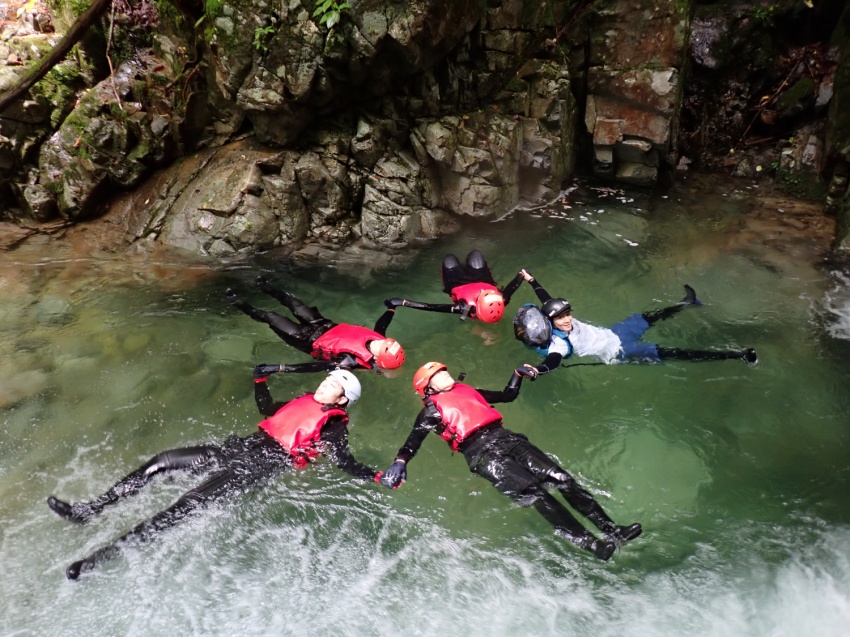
pixel 520 470
pixel 455 274
pixel 310 326
pixel 240 464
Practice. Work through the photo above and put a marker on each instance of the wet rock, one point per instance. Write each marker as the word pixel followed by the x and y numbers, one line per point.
pixel 22 386
pixel 634 88
pixel 105 141
pixel 53 310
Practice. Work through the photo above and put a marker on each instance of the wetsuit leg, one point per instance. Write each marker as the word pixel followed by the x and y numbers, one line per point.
pixel 451 272
pixel 260 459
pixel 747 355
pixel 663 314
pixel 495 462
pixel 547 471
pixel 290 332
pixel 188 458
pixel 477 268
pixel 298 308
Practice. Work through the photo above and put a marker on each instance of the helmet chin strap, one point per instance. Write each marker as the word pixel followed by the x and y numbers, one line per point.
pixel 460 377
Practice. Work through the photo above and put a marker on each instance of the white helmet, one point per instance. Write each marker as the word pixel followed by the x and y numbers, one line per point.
pixel 350 384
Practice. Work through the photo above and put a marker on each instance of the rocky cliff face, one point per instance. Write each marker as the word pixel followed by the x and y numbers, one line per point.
pixel 272 130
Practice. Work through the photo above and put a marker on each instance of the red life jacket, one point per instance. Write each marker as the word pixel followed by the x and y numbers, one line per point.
pixel 297 426
pixel 463 411
pixel 346 339
pixel 470 292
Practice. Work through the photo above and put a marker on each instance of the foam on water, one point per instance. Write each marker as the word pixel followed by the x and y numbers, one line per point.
pixel 836 303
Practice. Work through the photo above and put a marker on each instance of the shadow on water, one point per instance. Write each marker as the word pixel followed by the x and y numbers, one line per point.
pixel 738 473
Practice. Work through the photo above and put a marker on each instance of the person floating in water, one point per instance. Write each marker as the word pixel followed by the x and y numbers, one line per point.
pixel 472 288
pixel 293 434
pixel 464 418
pixel 335 345
pixel 557 335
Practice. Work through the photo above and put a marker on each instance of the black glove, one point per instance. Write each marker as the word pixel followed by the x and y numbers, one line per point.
pixel 528 372
pixel 395 475
pixel 394 302
pixel 264 370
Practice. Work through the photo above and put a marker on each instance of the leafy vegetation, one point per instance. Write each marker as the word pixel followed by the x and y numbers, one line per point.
pixel 262 35
pixel 330 12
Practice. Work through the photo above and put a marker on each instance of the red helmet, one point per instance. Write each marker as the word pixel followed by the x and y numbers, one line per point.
pixel 390 355
pixel 489 306
pixel 424 375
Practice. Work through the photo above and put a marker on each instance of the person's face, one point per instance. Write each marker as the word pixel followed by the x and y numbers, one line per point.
pixel 563 322
pixel 375 347
pixel 330 392
pixel 441 381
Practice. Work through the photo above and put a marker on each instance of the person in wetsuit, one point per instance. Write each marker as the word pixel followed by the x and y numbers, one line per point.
pixel 568 336
pixel 472 288
pixel 464 418
pixel 334 345
pixel 293 434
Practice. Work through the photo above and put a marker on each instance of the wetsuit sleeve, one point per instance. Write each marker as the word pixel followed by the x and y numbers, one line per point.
pixel 335 436
pixel 507 395
pixel 510 288
pixel 541 293
pixel 313 366
pixel 384 322
pixel 445 308
pixel 344 361
pixel 426 422
pixel 550 363
pixel 265 403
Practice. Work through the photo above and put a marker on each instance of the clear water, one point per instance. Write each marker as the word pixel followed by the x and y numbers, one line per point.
pixel 739 475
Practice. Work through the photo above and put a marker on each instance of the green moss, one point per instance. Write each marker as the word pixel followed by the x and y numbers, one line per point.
pixel 59 87
pixel 801 184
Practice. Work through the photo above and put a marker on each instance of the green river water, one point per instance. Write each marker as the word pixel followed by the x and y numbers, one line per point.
pixel 739 474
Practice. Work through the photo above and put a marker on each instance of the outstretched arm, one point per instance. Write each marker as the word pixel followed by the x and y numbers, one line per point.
pixel 445 308
pixel 384 321
pixel 263 397
pixel 427 420
pixel 264 370
pixel 425 423
pixel 541 293
pixel 508 394
pixel 335 435
pixel 550 363
pixel 557 351
pixel 513 286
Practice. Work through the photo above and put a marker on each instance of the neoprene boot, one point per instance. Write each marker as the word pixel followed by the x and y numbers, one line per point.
pixel 278 295
pixel 690 298
pixel 622 534
pixel 79 512
pixel 603 549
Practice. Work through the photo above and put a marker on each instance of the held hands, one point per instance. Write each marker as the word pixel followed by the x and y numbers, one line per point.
pixel 528 371
pixel 394 302
pixel 264 370
pixel 526 275
pixel 395 475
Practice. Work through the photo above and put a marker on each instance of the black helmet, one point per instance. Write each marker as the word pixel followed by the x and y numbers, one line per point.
pixel 531 327
pixel 555 307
